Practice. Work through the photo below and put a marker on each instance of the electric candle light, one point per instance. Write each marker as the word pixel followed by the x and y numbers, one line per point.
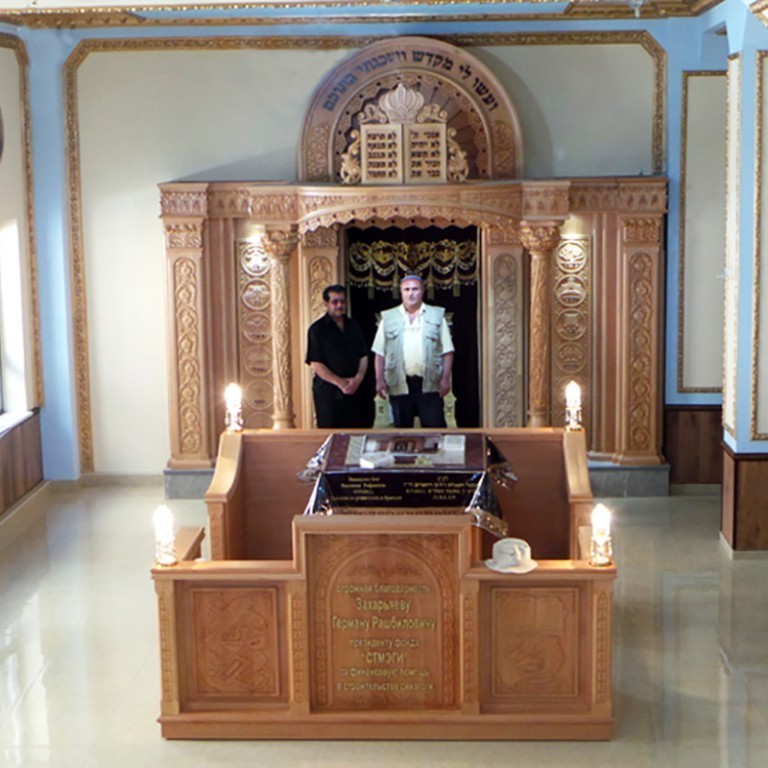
pixel 233 398
pixel 164 538
pixel 573 406
pixel 601 549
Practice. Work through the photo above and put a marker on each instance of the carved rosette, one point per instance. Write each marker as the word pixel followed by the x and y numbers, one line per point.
pixel 506 370
pixel 279 246
pixel 540 240
pixel 255 307
pixel 641 360
pixel 571 323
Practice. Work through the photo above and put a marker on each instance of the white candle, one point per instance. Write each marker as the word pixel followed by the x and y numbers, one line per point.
pixel 573 395
pixel 601 523
pixel 164 538
pixel 233 397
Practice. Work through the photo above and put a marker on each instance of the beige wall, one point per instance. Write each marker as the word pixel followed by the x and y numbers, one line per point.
pixel 147 117
pixel 16 341
pixel 585 110
pixel 703 235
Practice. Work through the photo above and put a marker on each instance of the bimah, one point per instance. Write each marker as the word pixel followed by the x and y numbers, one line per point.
pixel 387 626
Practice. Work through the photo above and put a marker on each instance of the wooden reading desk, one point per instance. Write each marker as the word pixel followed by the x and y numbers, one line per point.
pixel 377 626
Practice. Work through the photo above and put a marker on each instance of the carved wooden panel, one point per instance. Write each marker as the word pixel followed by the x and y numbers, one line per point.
pixel 384 628
pixel 642 368
pixel 624 267
pixel 476 105
pixel 255 321
pixel 186 290
pixel 536 642
pixel 383 621
pixel 235 645
pixel 571 325
pixel 508 342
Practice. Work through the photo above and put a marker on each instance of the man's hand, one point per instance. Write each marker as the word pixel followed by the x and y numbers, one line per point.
pixel 381 388
pixel 444 387
pixel 350 386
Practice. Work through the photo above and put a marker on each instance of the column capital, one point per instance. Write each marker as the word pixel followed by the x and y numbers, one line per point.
pixel 540 238
pixel 280 243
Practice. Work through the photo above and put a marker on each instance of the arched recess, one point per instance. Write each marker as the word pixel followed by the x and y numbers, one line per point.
pixel 473 102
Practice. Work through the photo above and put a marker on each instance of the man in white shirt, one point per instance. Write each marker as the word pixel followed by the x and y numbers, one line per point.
pixel 414 358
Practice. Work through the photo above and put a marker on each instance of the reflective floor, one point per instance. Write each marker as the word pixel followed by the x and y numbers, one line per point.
pixel 79 668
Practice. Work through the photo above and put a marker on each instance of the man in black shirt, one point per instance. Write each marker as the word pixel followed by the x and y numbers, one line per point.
pixel 338 356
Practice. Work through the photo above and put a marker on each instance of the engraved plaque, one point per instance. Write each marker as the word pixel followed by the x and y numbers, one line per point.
pixel 382 154
pixel 383 621
pixel 422 471
pixel 425 154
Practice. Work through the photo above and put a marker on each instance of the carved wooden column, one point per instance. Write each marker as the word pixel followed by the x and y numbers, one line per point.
pixel 641 351
pixel 279 245
pixel 540 239
pixel 184 210
pixel 319 266
pixel 503 327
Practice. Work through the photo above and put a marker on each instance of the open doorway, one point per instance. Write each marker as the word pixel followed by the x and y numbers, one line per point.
pixel 447 260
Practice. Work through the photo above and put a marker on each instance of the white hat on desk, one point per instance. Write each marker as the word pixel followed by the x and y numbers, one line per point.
pixel 511 556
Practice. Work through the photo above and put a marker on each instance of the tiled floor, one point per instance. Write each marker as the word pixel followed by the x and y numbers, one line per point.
pixel 79 669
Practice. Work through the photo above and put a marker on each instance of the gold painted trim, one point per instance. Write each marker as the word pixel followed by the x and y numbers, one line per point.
pixel 681 388
pixel 132 16
pixel 755 383
pixel 77 268
pixel 74 185
pixel 17 46
pixel 734 58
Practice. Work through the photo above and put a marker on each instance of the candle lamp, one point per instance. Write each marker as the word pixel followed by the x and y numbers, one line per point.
pixel 600 546
pixel 165 553
pixel 233 397
pixel 573 406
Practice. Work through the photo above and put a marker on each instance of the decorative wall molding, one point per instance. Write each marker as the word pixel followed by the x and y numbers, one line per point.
pixel 681 274
pixel 755 405
pixel 730 319
pixel 19 49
